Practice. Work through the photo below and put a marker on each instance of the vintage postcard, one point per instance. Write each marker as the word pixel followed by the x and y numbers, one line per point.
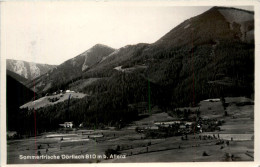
pixel 129 82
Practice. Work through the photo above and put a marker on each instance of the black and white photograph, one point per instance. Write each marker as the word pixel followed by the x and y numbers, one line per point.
pixel 99 82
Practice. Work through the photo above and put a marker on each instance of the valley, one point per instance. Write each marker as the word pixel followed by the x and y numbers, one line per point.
pixel 233 142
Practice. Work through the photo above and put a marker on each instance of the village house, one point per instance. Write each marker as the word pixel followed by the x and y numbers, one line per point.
pixel 11 134
pixel 67 125
pixel 182 127
pixel 70 91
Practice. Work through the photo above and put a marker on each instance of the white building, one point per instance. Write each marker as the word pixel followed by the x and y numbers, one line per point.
pixel 67 125
pixel 70 91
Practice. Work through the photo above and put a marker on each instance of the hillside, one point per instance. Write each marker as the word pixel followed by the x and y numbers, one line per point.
pixel 28 70
pixel 204 56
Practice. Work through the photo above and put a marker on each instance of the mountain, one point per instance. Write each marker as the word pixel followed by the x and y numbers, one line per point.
pixel 95 55
pixel 28 70
pixel 117 58
pixel 207 56
pixel 217 46
pixel 216 24
pixel 70 69
pixel 204 33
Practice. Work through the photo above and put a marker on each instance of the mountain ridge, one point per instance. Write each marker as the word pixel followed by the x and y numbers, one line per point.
pixel 28 70
pixel 70 69
pixel 210 27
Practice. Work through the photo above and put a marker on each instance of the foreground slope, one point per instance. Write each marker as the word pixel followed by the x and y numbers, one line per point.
pixel 16 77
pixel 17 94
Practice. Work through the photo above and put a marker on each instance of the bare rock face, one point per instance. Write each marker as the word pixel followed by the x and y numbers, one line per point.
pixel 28 70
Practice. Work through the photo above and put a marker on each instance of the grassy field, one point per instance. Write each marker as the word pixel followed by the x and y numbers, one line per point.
pixel 51 100
pixel 133 147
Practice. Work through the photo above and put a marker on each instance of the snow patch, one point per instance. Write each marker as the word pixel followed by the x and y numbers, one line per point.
pixel 241 17
pixel 212 100
pixel 250 35
pixel 73 62
pixel 110 55
pixel 187 26
pixel 236 15
pixel 35 71
pixel 19 68
pixel 73 140
pixel 118 68
pixel 130 69
pixel 85 66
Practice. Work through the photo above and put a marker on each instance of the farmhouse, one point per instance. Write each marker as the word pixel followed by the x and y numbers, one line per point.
pixel 189 123
pixel 167 123
pixel 11 134
pixel 154 127
pixel 182 127
pixel 70 91
pixel 67 125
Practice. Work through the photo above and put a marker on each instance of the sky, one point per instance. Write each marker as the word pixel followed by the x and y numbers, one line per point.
pixel 53 32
